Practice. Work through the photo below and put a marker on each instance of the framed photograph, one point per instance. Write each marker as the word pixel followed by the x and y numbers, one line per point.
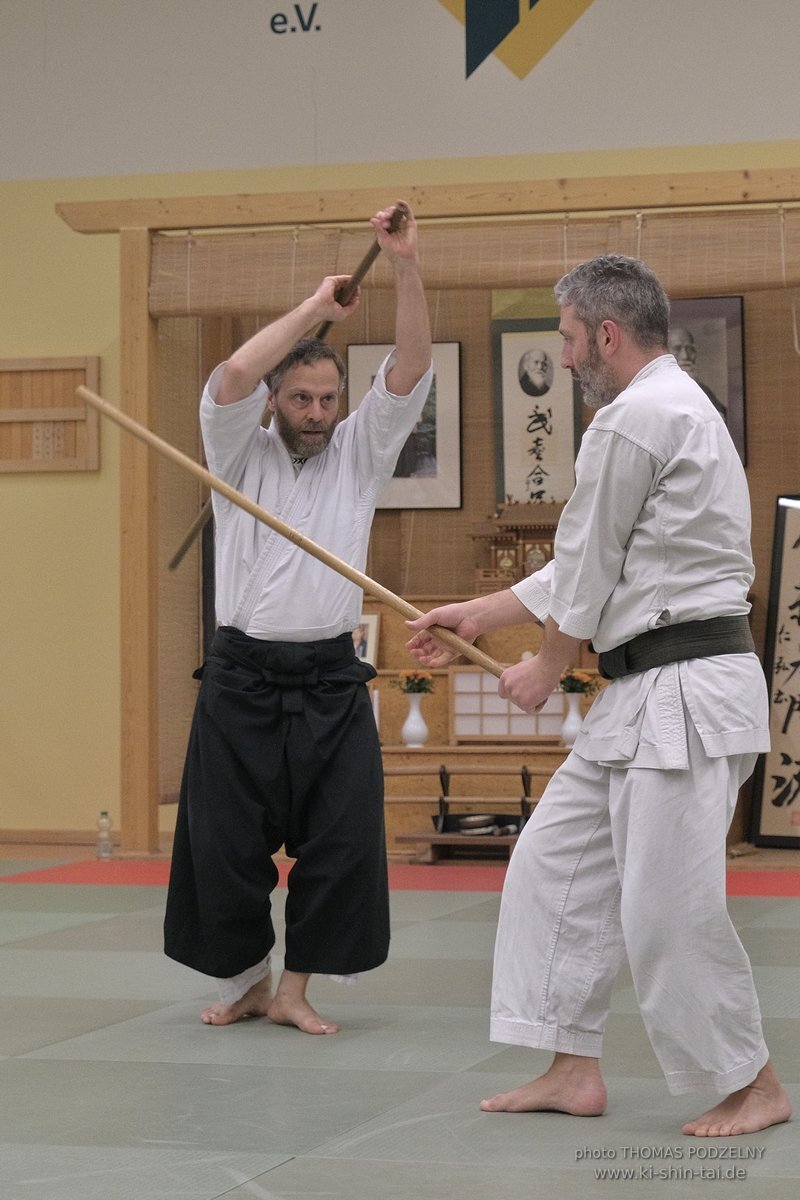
pixel 538 413
pixel 707 338
pixel 776 782
pixel 428 471
pixel 365 638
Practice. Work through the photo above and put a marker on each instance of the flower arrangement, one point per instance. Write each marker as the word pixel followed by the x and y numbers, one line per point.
pixel 573 680
pixel 413 681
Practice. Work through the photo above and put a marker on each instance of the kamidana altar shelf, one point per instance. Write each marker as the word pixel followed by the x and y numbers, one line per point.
pixel 515 542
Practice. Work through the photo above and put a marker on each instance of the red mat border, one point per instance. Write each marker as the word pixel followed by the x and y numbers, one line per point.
pixel 443 877
pixel 148 872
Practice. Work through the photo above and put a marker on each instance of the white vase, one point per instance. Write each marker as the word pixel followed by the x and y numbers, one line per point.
pixel 572 718
pixel 414 732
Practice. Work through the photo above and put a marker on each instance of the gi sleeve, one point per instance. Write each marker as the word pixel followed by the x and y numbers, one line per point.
pixel 615 474
pixel 382 424
pixel 534 591
pixel 230 430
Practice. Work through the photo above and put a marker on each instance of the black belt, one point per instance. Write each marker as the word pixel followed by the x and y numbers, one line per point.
pixel 676 643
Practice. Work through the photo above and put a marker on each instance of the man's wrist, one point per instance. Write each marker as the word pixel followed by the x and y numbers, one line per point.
pixel 312 311
pixel 482 613
pixel 405 267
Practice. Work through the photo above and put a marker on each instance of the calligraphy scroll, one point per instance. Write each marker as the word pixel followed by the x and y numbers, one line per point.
pixel 776 792
pixel 538 420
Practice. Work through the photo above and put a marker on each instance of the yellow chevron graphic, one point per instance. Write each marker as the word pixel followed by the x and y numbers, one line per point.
pixel 538 30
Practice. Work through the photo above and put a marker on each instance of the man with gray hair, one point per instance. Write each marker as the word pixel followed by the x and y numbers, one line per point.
pixel 625 853
pixel 535 372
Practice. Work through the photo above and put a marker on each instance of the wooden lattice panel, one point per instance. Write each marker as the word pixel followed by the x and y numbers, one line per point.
pixel 478 714
pixel 43 425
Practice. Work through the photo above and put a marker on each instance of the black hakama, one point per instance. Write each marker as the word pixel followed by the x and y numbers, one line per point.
pixel 283 751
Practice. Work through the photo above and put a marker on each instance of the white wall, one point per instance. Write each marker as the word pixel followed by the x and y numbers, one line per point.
pixel 112 87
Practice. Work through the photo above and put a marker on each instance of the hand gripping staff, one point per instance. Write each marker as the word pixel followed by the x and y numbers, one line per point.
pixel 343 295
pixel 450 639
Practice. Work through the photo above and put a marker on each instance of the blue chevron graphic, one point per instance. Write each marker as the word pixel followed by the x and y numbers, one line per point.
pixel 488 23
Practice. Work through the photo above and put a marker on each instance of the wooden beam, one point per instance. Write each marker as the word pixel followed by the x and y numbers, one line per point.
pixel 520 198
pixel 139 542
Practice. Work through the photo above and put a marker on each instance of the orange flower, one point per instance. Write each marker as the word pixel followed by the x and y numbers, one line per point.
pixel 573 680
pixel 413 681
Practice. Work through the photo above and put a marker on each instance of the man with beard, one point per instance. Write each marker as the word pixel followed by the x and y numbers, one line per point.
pixel 625 853
pixel 681 343
pixel 284 749
pixel 535 372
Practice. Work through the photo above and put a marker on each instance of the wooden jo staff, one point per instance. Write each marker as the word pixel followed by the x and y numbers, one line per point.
pixel 343 295
pixel 450 639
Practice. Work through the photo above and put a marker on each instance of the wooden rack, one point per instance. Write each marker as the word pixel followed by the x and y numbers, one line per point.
pixel 445 839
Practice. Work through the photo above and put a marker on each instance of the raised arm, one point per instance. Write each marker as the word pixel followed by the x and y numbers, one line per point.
pixel 265 349
pixel 412 326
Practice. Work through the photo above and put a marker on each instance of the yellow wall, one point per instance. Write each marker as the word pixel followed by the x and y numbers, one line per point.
pixel 59 544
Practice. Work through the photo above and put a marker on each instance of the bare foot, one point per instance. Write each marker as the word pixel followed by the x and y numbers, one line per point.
pixel 253 1003
pixel 572 1084
pixel 290 1007
pixel 761 1104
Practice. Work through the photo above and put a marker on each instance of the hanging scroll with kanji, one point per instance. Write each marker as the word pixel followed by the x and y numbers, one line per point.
pixel 538 419
pixel 776 793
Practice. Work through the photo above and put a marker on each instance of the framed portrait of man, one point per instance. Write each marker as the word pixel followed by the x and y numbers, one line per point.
pixel 706 337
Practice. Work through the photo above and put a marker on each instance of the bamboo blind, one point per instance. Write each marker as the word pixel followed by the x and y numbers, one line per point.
pixel 698 253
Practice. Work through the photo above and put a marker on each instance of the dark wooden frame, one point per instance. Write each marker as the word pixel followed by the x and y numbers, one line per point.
pixel 776 783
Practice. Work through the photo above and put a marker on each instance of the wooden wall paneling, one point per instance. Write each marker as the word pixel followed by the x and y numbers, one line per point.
pixel 42 426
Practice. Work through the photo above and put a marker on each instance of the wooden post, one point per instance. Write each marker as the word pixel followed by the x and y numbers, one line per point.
pixel 139 563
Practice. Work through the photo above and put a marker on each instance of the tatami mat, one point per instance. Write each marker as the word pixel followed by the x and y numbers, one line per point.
pixel 111 1088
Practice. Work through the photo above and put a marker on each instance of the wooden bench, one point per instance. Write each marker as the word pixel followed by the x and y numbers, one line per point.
pixel 446 839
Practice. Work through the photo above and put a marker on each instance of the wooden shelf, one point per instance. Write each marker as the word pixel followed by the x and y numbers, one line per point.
pixel 411 798
pixel 435 846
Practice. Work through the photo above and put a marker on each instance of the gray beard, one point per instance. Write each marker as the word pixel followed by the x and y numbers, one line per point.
pixel 296 443
pixel 593 400
pixel 598 387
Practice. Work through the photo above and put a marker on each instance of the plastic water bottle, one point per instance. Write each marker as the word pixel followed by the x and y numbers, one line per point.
pixel 105 847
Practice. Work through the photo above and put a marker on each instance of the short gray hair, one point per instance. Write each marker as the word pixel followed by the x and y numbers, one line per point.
pixel 614 287
pixel 307 351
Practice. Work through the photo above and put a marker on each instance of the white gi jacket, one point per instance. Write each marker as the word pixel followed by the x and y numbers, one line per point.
pixel 265 585
pixel 657 532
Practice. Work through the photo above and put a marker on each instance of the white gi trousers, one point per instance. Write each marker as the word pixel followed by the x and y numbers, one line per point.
pixel 624 860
